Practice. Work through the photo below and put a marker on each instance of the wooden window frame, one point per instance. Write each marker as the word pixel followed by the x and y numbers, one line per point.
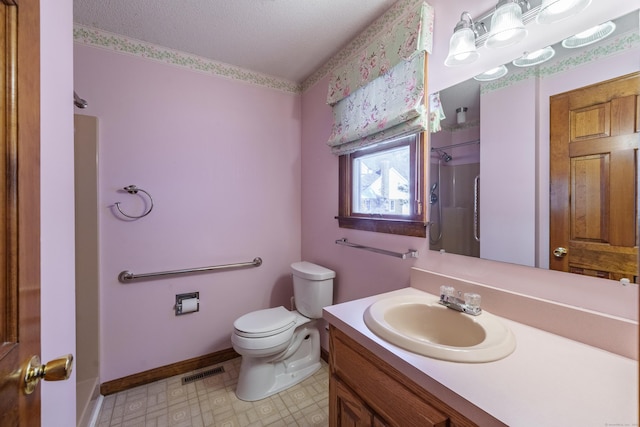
pixel 413 225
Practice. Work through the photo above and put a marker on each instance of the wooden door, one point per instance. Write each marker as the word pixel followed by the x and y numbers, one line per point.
pixel 19 208
pixel 593 193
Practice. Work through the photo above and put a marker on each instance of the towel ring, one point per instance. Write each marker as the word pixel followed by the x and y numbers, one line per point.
pixel 132 189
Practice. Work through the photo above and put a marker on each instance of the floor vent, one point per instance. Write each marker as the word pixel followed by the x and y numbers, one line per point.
pixel 203 374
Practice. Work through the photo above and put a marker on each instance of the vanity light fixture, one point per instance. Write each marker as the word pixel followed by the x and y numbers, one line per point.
pixel 507 26
pixel 492 74
pixel 552 11
pixel 590 36
pixel 534 58
pixel 462 45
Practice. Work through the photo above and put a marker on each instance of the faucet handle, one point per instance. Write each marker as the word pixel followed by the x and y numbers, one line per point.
pixel 447 292
pixel 472 300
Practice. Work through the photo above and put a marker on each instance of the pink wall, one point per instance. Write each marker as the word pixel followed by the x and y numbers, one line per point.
pixel 361 273
pixel 508 174
pixel 57 208
pixel 222 162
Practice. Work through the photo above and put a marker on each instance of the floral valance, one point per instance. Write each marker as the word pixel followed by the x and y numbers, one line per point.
pixel 391 105
pixel 412 32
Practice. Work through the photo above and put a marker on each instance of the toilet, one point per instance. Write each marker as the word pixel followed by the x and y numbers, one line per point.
pixel 280 348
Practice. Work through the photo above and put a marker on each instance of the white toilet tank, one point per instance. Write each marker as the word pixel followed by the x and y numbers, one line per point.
pixel 312 288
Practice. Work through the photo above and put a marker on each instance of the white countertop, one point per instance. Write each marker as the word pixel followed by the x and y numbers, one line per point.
pixel 547 381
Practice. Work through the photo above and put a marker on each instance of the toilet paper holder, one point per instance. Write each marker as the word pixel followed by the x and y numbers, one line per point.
pixel 187 303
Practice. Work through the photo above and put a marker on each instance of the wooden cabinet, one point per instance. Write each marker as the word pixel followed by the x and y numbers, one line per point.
pixel 365 391
pixel 351 410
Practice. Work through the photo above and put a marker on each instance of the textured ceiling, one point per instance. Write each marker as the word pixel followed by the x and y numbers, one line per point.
pixel 288 39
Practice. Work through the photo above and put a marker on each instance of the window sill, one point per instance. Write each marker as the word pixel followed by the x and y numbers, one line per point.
pixel 390 226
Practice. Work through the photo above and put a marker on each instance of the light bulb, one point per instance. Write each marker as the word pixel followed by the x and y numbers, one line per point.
pixel 462 48
pixel 507 27
pixel 556 10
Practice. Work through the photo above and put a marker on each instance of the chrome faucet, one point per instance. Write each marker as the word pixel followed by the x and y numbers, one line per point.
pixel 468 303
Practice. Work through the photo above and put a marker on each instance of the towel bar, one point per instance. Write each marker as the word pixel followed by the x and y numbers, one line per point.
pixel 412 253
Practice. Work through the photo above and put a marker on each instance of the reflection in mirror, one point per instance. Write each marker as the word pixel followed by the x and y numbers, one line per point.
pixel 594 144
pixel 455 169
pixel 505 141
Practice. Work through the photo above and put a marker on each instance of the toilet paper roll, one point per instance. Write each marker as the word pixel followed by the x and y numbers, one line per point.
pixel 189 305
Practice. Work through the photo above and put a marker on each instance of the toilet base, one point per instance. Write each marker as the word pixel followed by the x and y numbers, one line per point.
pixel 260 378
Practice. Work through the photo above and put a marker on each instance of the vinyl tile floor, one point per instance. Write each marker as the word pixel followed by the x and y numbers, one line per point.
pixel 211 401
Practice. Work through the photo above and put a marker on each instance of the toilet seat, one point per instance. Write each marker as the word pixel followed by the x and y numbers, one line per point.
pixel 264 323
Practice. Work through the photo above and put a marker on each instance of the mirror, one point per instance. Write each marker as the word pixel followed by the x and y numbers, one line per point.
pixel 488 187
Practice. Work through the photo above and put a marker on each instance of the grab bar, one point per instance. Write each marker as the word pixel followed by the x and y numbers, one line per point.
pixel 476 192
pixel 412 253
pixel 127 276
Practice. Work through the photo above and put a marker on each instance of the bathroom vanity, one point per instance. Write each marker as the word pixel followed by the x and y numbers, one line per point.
pixel 548 380
pixel 364 390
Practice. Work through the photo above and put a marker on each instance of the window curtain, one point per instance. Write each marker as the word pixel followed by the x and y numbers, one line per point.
pixel 436 113
pixel 390 106
pixel 400 40
pixel 379 94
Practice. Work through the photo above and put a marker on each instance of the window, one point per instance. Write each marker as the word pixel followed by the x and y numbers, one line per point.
pixel 382 187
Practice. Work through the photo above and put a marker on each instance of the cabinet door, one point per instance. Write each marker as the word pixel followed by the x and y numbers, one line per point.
pixel 350 410
pixel 384 390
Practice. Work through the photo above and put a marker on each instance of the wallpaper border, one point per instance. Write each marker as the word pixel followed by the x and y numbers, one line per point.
pixel 99 38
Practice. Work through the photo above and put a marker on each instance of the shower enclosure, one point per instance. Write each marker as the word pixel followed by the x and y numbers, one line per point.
pixel 454 198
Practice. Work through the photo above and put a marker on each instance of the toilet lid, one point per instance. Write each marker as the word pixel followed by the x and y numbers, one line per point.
pixel 265 322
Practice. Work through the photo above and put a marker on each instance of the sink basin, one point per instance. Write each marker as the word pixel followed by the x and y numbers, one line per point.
pixel 418 323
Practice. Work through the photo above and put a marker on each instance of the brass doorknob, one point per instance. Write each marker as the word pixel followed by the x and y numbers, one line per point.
pixel 55 370
pixel 560 252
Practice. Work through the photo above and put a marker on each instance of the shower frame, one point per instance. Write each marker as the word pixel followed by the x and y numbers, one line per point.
pixel 458 204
